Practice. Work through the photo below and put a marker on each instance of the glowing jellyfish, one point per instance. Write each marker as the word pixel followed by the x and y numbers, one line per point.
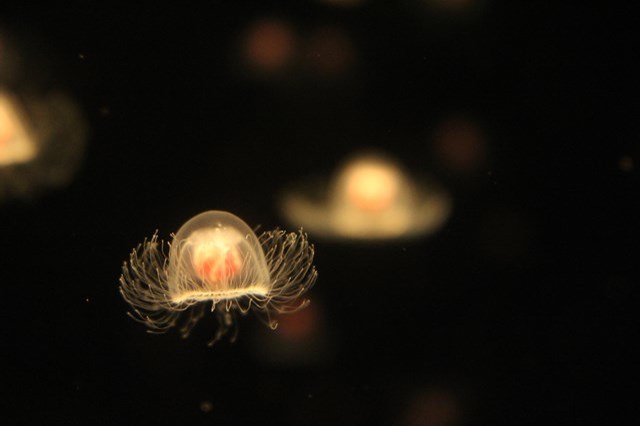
pixel 217 262
pixel 41 143
pixel 370 198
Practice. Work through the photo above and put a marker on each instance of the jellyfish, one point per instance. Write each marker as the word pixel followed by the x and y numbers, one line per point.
pixel 371 198
pixel 42 130
pixel 41 143
pixel 216 262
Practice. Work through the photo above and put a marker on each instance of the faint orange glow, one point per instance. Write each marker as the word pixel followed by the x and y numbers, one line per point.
pixel 460 145
pixel 330 51
pixel 16 145
pixel 269 44
pixel 625 163
pixel 433 407
pixel 300 324
pixel 302 338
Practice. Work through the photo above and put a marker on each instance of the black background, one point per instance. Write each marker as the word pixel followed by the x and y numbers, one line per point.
pixel 524 304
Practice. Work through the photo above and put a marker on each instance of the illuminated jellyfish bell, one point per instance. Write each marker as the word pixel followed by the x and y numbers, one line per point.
pixel 217 262
pixel 372 197
pixel 41 143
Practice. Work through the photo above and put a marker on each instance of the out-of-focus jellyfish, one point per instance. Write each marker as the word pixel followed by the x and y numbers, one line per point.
pixel 434 407
pixel 301 339
pixel 41 143
pixel 371 197
pixel 268 45
pixel 217 262
pixel 16 145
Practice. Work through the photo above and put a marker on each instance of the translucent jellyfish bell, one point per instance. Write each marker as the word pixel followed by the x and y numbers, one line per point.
pixel 215 255
pixel 370 198
pixel 216 258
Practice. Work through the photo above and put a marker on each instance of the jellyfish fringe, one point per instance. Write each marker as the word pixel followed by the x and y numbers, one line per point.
pixel 145 286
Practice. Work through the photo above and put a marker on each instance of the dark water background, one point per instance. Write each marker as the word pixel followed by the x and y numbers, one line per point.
pixel 523 308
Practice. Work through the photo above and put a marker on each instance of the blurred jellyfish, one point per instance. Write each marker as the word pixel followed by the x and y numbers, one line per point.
pixel 41 143
pixel 370 198
pixel 434 406
pixel 268 45
pixel 301 339
pixel 217 262
pixel 16 145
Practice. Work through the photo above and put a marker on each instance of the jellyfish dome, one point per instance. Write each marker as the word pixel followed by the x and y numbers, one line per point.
pixel 371 197
pixel 215 260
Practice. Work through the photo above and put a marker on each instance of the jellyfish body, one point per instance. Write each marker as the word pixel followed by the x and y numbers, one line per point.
pixel 42 129
pixel 41 143
pixel 371 198
pixel 215 260
pixel 16 145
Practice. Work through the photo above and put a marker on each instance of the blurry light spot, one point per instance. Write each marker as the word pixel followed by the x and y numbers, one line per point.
pixel 433 407
pixel 206 406
pixel 625 163
pixel 301 338
pixel 16 145
pixel 299 324
pixel 269 45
